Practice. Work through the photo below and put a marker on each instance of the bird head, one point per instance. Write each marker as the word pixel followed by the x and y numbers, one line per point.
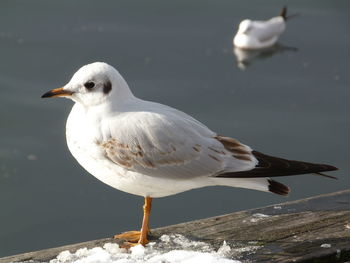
pixel 245 26
pixel 93 84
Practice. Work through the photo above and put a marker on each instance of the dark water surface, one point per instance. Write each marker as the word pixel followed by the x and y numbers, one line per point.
pixel 292 102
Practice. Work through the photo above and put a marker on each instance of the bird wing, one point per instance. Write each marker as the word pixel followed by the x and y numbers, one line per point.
pixel 266 30
pixel 270 166
pixel 170 144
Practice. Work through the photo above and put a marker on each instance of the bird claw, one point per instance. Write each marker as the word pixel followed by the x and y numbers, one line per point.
pixel 130 236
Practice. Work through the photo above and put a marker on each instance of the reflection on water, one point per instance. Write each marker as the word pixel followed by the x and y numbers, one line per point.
pixel 246 58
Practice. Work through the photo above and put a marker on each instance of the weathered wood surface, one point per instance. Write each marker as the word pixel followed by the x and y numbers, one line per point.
pixel 292 232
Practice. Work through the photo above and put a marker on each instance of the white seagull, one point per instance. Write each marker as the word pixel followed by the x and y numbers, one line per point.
pixel 260 34
pixel 152 150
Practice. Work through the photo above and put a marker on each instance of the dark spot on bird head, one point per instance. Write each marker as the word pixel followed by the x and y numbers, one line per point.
pixel 107 87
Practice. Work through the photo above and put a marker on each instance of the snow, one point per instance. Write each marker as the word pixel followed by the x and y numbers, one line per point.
pixel 326 245
pixel 172 248
pixel 257 217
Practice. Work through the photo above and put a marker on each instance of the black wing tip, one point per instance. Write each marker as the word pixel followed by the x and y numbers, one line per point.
pixel 329 168
pixel 278 188
pixel 283 13
pixel 327 175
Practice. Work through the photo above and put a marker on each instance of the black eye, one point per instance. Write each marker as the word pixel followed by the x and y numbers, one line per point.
pixel 89 85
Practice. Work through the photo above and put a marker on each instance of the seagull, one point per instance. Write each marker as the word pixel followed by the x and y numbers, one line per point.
pixel 260 34
pixel 152 150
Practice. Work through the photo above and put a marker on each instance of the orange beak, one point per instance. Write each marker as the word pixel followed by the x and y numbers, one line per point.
pixel 60 92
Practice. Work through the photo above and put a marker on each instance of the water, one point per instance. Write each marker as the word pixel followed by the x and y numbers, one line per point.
pixel 291 102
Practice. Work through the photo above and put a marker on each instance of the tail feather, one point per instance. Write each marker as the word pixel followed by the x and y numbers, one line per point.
pixel 283 13
pixel 278 188
pixel 260 184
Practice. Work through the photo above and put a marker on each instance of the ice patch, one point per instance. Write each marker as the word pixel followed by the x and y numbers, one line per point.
pixel 172 249
pixel 224 250
pixel 257 217
pixel 247 250
pixel 326 245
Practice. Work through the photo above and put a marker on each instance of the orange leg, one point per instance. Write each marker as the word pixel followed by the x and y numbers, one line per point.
pixel 145 222
pixel 139 237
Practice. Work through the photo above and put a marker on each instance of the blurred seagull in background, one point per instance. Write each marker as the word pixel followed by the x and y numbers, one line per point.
pixel 153 150
pixel 261 34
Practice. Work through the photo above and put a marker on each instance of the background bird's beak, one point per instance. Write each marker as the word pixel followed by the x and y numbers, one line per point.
pixel 60 92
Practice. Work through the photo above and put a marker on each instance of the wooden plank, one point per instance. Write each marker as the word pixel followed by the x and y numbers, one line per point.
pixel 293 232
pixel 288 232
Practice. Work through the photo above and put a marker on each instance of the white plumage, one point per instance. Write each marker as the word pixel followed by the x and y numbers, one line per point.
pixel 259 34
pixel 142 147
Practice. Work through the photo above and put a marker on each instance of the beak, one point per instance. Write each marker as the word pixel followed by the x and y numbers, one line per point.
pixel 60 92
